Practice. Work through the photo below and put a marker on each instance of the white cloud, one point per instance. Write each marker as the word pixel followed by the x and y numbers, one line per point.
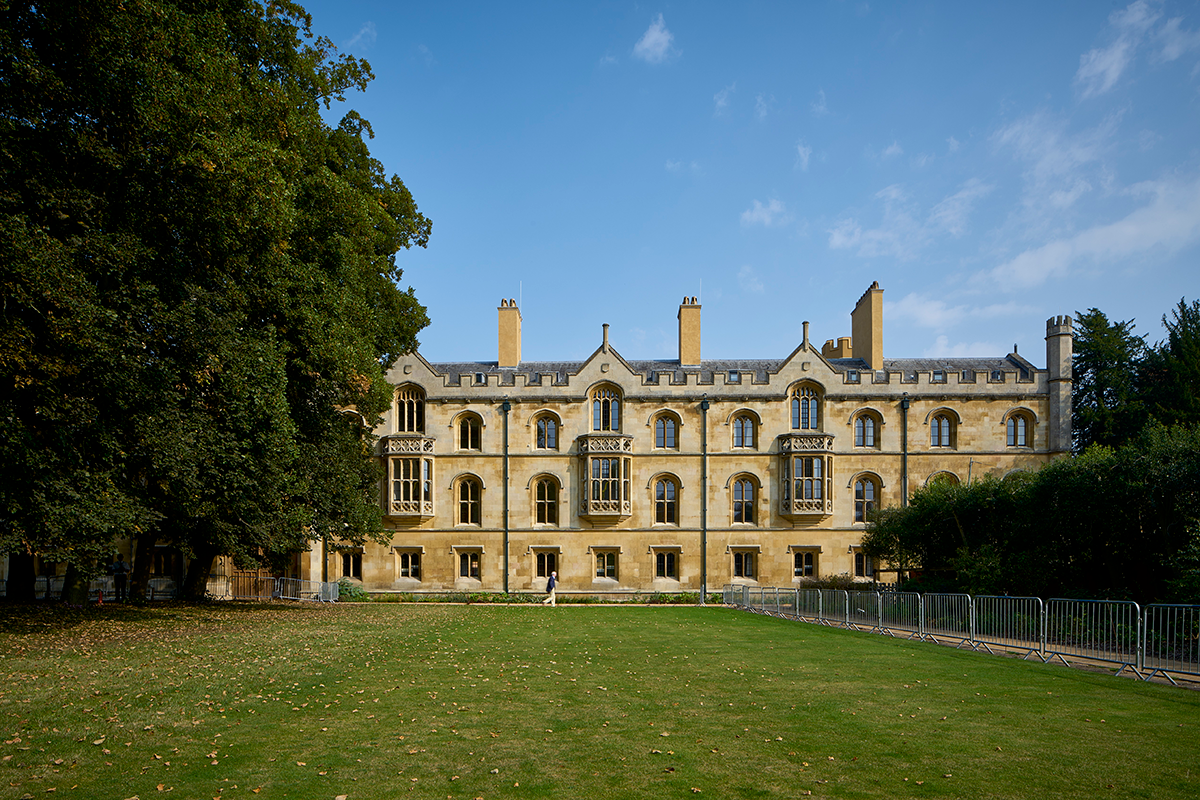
pixel 1101 67
pixel 426 55
pixel 761 107
pixel 819 109
pixel 903 233
pixel 655 45
pixel 773 213
pixel 1058 162
pixel 679 166
pixel 1176 42
pixel 803 153
pixel 721 99
pixel 952 144
pixel 748 279
pixel 933 312
pixel 921 160
pixel 951 214
pixel 893 149
pixel 925 311
pixel 363 39
pixel 943 349
pixel 1169 220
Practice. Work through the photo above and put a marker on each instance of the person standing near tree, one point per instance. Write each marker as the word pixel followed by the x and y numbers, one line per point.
pixel 551 582
pixel 120 571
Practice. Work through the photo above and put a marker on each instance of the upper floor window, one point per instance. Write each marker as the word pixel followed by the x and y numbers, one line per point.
pixel 743 500
pixel 470 429
pixel 938 376
pixel 412 484
pixel 468 501
pixel 941 431
pixel 866 492
pixel 410 410
pixel 743 431
pixel 547 433
pixel 1019 430
pixel 805 409
pixel 545 511
pixel 665 493
pixel 666 432
pixel 606 410
pixel 865 427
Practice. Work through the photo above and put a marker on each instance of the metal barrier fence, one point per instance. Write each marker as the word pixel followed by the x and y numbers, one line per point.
pixel 1156 641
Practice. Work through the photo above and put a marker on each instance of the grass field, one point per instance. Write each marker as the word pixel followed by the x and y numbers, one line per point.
pixel 433 701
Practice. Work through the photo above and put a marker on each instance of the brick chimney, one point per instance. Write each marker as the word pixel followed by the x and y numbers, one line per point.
pixel 866 327
pixel 689 332
pixel 510 334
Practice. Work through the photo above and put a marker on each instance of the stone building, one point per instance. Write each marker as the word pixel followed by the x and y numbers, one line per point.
pixel 626 475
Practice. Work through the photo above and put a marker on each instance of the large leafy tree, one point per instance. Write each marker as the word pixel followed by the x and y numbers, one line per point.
pixel 1170 372
pixel 1107 405
pixel 200 283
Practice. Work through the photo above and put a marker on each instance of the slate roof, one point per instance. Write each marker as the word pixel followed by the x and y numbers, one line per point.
pixel 758 367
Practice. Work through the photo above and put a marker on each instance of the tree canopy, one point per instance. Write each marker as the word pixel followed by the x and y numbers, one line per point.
pixel 200 282
pixel 1119 519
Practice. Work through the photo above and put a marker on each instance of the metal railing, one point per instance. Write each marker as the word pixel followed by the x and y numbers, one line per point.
pixel 1155 641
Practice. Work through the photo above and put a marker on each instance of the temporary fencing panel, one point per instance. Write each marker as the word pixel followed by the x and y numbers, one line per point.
pixel 1171 640
pixel 947 617
pixel 900 614
pixel 1100 630
pixel 864 611
pixel 1160 640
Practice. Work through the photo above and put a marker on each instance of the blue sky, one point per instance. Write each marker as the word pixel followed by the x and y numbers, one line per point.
pixel 989 166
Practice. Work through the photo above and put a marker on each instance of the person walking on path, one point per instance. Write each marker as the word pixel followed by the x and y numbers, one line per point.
pixel 120 571
pixel 551 582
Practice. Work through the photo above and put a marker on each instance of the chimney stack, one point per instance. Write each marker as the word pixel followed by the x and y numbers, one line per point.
pixel 510 334
pixel 866 327
pixel 689 332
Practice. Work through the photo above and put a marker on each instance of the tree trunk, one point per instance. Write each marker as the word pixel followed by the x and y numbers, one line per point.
pixel 195 584
pixel 19 588
pixel 75 586
pixel 143 564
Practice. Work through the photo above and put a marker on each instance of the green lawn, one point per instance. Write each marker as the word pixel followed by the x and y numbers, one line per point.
pixel 433 701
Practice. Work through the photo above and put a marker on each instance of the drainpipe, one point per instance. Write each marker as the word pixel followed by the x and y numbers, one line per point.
pixel 904 401
pixel 703 499
pixel 505 407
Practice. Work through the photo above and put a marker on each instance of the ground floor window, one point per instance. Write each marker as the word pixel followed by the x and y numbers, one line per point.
pixel 743 564
pixel 805 565
pixel 352 564
pixel 864 566
pixel 546 563
pixel 410 565
pixel 468 565
pixel 606 564
pixel 666 565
